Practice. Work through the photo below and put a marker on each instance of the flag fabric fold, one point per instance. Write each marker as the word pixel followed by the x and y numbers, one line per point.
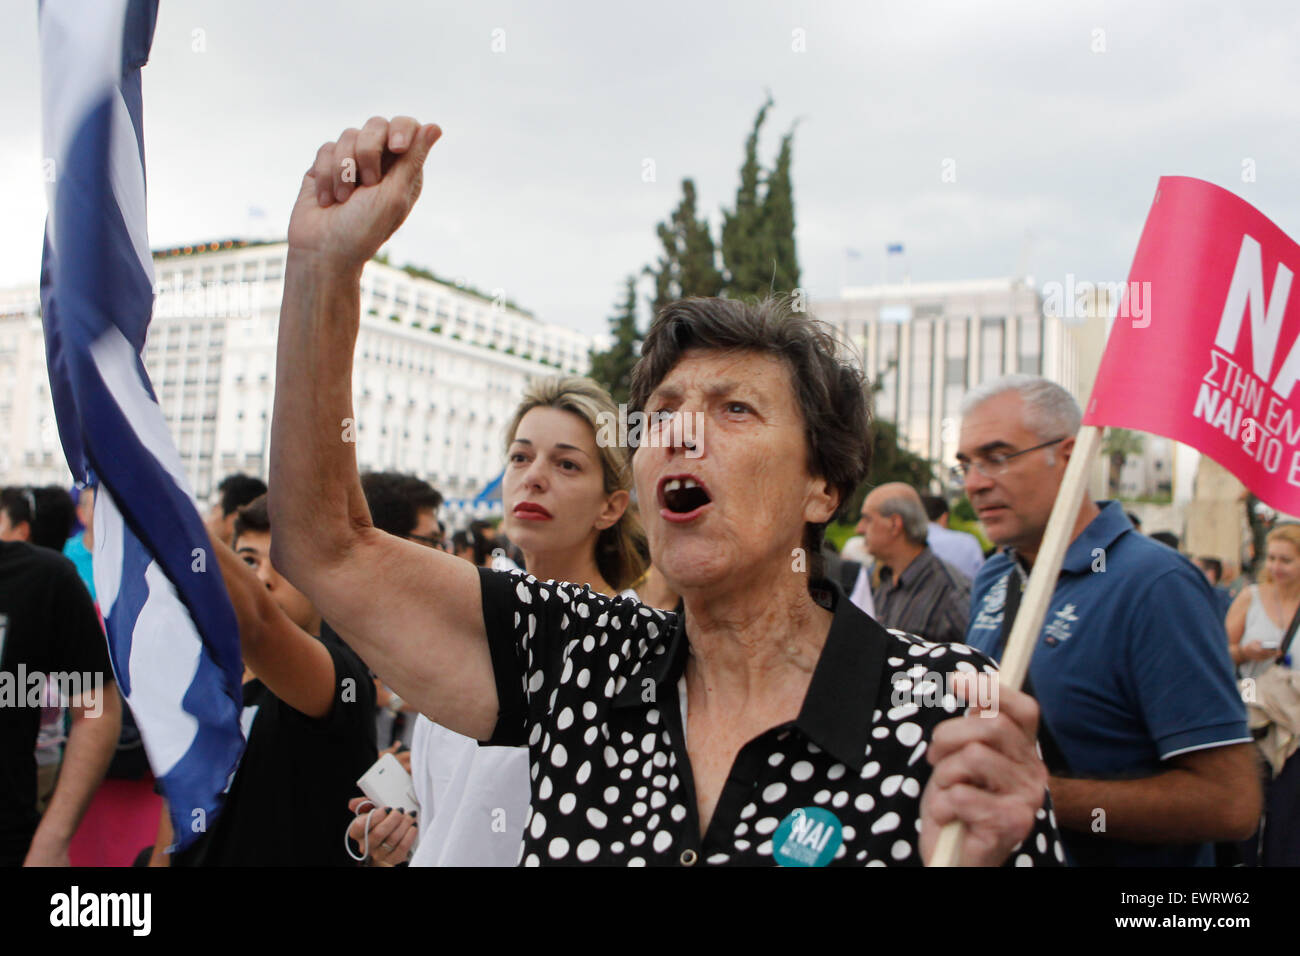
pixel 172 633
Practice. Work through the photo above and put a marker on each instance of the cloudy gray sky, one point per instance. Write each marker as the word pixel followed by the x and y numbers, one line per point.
pixel 537 185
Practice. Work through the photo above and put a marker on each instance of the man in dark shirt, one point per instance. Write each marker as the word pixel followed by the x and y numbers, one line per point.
pixel 309 706
pixel 916 592
pixel 49 632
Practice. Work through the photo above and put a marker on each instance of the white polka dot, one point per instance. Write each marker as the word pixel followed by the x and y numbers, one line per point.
pixel 584 677
pixel 590 736
pixel 776 758
pixel 821 796
pixel 678 812
pixel 567 803
pixel 765 825
pixel 663 840
pixel 911 787
pixel 589 710
pixel 864 802
pixel 639 808
pixel 889 786
pixel 565 719
pixel 657 800
pixel 886 824
pixel 559 756
pixel 611 794
pixel 908 733
pixel 648 743
pixel 901 850
pixel 588 850
pixel 558 848
pixel 801 771
pixel 636 860
pixel 870 770
pixel 533 860
pixel 535 682
pixel 596 818
pixel 840 799
pixel 538 826
pixel 836 772
pixel 583 772
pixel 637 838
pixel 1024 859
pixel 544 789
pixel 773 792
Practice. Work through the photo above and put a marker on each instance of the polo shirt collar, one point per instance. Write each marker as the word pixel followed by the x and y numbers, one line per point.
pixel 1100 532
pixel 841 699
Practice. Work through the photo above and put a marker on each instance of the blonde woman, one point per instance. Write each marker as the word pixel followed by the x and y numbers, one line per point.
pixel 1257 620
pixel 1257 623
pixel 566 501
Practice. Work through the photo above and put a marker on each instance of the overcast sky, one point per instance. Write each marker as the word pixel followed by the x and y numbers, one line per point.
pixel 537 185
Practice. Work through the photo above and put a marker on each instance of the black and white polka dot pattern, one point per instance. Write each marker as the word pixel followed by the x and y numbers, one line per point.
pixel 590 684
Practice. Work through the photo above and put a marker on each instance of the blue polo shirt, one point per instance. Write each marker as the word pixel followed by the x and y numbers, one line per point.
pixel 1131 668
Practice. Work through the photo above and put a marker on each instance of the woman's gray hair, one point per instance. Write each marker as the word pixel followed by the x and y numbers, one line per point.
pixel 1050 411
pixel 916 523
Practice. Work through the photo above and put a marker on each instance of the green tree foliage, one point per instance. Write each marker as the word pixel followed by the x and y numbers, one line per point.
pixel 613 367
pixel 1118 445
pixel 688 264
pixel 744 245
pixel 758 244
pixel 778 221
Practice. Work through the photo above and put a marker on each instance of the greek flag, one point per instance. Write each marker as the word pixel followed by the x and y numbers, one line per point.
pixel 172 633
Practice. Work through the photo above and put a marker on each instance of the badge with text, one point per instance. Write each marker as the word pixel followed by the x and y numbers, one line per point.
pixel 809 836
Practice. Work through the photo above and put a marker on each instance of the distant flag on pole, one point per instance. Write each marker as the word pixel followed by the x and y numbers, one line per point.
pixel 1205 348
pixel 172 633
pixel 894 249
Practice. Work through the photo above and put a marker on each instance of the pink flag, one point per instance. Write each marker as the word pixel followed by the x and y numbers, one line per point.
pixel 1206 346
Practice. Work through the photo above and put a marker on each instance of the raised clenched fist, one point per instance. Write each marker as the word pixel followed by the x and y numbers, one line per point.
pixel 359 190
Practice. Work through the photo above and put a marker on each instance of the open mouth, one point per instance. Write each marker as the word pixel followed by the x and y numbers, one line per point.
pixel 682 495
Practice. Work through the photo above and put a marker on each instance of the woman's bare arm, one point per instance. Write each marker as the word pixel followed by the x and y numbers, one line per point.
pixel 414 614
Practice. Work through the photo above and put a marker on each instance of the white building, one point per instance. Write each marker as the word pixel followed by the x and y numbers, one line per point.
pixel 928 344
pixel 438 370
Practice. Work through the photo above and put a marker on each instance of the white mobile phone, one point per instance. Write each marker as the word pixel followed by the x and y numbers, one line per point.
pixel 387 784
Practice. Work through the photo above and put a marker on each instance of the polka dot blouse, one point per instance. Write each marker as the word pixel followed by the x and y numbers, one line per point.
pixel 591 685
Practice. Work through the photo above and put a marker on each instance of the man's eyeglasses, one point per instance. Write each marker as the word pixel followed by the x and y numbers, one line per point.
pixel 995 463
pixel 426 540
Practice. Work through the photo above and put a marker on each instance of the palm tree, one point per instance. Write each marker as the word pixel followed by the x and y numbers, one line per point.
pixel 1119 444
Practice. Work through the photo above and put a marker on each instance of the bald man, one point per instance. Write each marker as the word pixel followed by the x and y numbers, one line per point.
pixel 916 592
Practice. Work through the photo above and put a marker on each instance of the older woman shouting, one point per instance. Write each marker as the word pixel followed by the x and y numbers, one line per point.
pixel 772 722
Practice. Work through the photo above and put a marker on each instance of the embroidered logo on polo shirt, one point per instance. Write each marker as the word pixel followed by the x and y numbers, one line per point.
pixel 1059 629
pixel 989 617
pixel 810 836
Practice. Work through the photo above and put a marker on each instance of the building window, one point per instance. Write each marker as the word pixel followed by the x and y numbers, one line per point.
pixel 991 337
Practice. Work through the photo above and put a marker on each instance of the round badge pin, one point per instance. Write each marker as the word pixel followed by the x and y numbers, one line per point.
pixel 810 836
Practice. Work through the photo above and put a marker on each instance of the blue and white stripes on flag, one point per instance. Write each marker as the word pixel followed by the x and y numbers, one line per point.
pixel 172 632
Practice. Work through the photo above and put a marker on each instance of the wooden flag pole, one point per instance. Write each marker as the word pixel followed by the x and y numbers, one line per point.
pixel 1037 597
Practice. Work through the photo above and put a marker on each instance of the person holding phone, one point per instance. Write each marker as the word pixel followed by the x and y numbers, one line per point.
pixel 1257 623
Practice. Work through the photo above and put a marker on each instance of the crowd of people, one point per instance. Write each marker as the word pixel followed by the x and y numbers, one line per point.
pixel 656 658
pixel 1136 673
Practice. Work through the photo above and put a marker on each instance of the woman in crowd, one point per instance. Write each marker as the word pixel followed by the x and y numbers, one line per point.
pixel 1257 623
pixel 566 505
pixel 762 725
